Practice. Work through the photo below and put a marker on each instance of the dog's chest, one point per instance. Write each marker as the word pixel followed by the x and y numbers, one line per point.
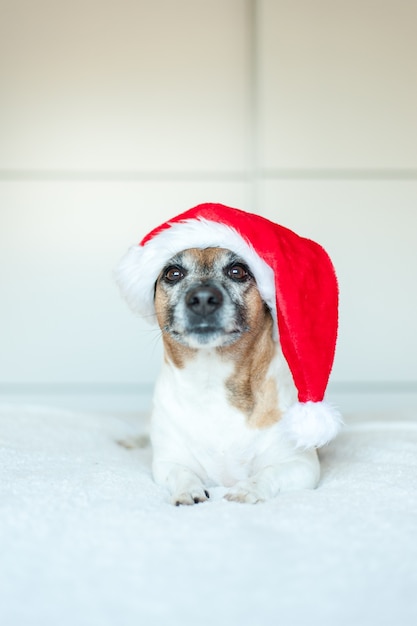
pixel 194 417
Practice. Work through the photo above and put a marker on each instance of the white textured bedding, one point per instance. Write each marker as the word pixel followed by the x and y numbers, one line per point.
pixel 87 538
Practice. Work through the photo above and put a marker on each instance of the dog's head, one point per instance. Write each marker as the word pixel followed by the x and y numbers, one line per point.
pixel 207 298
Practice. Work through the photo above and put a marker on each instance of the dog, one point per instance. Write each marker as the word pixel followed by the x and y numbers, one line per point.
pixel 223 387
pixel 248 316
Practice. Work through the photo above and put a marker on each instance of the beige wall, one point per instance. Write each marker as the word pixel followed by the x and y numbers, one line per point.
pixel 117 115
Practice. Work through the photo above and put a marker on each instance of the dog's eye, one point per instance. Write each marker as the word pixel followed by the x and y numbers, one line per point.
pixel 174 273
pixel 238 272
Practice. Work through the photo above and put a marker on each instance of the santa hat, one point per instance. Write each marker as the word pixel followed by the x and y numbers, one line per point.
pixel 296 279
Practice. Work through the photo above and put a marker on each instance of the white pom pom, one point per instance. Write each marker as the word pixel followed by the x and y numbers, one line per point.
pixel 311 424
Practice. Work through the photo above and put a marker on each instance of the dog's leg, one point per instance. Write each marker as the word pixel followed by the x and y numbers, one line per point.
pixel 299 473
pixel 184 485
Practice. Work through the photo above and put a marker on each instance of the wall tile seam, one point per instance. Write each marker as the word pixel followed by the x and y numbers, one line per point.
pixel 247 176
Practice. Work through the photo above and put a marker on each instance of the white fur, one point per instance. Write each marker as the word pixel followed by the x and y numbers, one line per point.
pixel 200 440
pixel 140 267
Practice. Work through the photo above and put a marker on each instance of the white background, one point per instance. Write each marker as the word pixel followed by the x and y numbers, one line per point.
pixel 117 115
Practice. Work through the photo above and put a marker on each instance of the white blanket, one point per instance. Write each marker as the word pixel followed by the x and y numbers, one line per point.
pixel 87 538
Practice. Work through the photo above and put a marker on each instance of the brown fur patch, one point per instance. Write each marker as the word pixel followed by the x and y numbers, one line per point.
pixel 205 257
pixel 174 352
pixel 250 390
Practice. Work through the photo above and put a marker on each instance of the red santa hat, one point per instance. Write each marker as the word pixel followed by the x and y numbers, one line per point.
pixel 296 279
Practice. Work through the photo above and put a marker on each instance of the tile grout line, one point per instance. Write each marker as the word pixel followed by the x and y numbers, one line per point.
pixel 253 103
pixel 253 175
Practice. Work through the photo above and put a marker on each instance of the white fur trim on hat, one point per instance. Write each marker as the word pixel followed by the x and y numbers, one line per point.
pixel 140 267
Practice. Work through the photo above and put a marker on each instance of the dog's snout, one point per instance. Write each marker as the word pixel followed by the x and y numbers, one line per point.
pixel 204 300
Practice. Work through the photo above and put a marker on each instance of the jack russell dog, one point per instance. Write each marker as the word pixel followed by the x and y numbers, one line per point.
pixel 225 387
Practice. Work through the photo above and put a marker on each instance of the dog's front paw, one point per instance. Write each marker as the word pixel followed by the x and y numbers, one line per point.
pixel 246 491
pixel 194 496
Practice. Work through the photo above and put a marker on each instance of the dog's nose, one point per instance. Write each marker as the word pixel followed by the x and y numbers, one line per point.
pixel 204 300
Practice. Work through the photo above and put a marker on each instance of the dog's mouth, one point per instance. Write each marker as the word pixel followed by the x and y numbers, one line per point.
pixel 204 329
pixel 206 334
